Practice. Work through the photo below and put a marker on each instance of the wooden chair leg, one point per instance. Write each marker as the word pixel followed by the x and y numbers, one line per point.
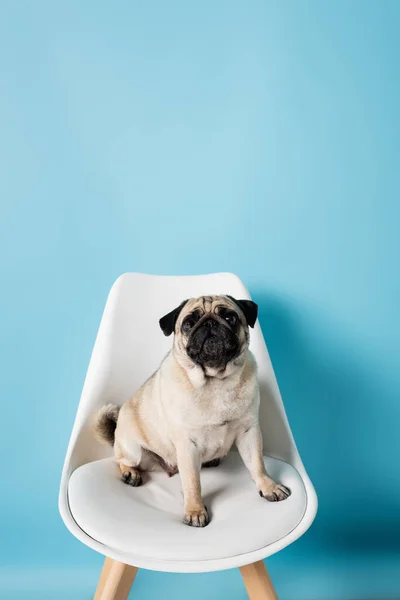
pixel 258 582
pixel 115 580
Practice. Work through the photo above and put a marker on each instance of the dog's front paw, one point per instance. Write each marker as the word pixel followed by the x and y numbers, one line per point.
pixel 132 477
pixel 274 492
pixel 197 517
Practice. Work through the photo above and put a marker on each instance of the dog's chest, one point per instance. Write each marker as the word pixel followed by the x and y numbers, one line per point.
pixel 214 441
pixel 216 404
pixel 213 417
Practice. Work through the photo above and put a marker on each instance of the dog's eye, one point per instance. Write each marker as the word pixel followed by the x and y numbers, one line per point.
pixel 187 325
pixel 190 321
pixel 231 318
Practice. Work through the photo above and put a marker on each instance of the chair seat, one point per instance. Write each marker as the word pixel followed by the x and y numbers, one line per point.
pixel 147 521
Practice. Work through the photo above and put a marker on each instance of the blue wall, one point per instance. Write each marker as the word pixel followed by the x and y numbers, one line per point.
pixel 174 137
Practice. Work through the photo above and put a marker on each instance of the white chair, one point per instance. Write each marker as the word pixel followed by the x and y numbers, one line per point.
pixel 142 527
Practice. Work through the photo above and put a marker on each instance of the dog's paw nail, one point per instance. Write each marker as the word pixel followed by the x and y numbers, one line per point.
pixel 132 478
pixel 197 518
pixel 275 493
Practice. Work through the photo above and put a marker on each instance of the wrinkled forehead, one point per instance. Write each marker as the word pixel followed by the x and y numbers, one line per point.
pixel 208 303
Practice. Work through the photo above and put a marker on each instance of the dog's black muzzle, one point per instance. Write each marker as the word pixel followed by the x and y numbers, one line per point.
pixel 212 343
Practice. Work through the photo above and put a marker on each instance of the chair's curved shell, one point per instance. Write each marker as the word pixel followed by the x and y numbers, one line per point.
pixel 128 348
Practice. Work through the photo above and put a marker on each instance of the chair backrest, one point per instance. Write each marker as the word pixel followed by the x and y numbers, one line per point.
pixel 130 346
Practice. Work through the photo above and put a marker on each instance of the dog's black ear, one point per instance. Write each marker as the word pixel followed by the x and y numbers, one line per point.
pixel 167 323
pixel 249 309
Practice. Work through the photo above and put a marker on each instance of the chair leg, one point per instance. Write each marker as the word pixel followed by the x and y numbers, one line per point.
pixel 115 580
pixel 258 582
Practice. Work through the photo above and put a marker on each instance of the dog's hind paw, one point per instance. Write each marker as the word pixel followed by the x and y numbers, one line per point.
pixel 211 463
pixel 132 477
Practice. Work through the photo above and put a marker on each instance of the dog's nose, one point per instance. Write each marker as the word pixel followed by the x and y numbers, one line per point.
pixel 211 324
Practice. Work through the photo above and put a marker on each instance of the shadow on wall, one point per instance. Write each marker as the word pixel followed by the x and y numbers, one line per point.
pixel 338 414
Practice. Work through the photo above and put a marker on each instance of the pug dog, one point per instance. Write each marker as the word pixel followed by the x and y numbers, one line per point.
pixel 203 399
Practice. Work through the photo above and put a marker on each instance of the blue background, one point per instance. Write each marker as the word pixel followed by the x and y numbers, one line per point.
pixel 172 137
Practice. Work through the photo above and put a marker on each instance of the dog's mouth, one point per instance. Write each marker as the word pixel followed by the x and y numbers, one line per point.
pixel 212 344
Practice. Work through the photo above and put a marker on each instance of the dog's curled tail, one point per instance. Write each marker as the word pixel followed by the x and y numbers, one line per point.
pixel 105 424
